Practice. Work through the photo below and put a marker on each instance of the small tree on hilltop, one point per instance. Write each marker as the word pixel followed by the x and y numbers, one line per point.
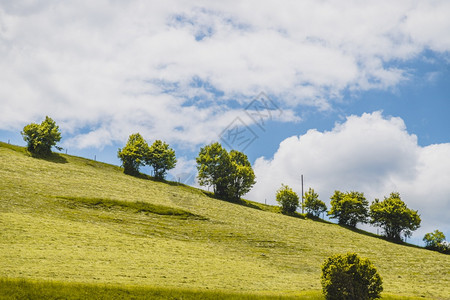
pixel 214 166
pixel 313 205
pixel 42 137
pixel 134 154
pixel 436 241
pixel 433 239
pixel 394 217
pixel 349 277
pixel 242 177
pixel 230 174
pixel 349 208
pixel 288 199
pixel 161 157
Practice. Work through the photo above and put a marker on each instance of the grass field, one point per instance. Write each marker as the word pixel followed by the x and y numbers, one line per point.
pixel 78 222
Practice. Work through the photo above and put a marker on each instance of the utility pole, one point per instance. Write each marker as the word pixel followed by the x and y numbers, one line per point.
pixel 303 208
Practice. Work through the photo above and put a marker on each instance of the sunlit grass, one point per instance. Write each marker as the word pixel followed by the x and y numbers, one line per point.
pixel 72 220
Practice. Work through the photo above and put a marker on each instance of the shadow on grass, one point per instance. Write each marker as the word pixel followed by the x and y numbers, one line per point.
pixel 137 207
pixel 374 235
pixel 241 202
pixel 54 158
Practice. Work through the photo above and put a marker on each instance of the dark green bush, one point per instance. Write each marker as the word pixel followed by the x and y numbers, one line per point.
pixel 347 276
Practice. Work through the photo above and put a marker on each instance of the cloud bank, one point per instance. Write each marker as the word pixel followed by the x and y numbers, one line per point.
pixel 368 153
pixel 181 69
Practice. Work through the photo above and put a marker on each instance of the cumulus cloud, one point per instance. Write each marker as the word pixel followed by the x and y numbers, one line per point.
pixel 368 153
pixel 176 68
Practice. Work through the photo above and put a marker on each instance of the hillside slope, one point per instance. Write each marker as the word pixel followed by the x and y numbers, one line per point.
pixel 72 219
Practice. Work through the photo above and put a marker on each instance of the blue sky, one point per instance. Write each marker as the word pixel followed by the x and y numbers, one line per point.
pixel 358 92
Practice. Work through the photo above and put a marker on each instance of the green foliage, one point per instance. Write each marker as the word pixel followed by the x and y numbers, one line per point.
pixel 242 177
pixel 433 239
pixel 394 217
pixel 313 205
pixel 349 208
pixel 230 174
pixel 134 154
pixel 349 277
pixel 161 158
pixel 41 138
pixel 288 199
pixel 236 249
pixel 436 241
pixel 214 165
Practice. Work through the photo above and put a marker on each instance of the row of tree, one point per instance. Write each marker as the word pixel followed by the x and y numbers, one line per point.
pixel 351 208
pixel 231 176
pixel 229 173
pixel 42 137
pixel 137 153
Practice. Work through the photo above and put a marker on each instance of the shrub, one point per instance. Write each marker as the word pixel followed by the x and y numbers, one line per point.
pixel 347 276
pixel 313 205
pixel 436 241
pixel 288 199
pixel 42 137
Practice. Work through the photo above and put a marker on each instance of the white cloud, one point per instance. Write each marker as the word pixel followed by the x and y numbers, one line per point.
pixel 118 67
pixel 368 153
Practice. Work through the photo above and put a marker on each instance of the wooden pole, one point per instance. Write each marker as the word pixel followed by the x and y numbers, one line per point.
pixel 303 209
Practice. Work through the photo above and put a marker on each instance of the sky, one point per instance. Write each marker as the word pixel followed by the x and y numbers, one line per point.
pixel 354 95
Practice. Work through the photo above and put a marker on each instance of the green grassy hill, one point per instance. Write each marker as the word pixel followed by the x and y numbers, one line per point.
pixel 73 220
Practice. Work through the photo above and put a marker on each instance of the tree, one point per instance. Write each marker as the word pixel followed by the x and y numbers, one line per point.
pixel 134 154
pixel 41 138
pixel 214 165
pixel 242 177
pixel 433 239
pixel 349 208
pixel 161 158
pixel 394 217
pixel 349 277
pixel 288 199
pixel 312 204
pixel 436 241
pixel 230 174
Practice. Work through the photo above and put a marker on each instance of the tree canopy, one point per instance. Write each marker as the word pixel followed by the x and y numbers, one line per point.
pixel 137 153
pixel 42 137
pixel 433 239
pixel 349 277
pixel 312 204
pixel 436 241
pixel 288 199
pixel 161 158
pixel 394 217
pixel 214 165
pixel 349 208
pixel 242 177
pixel 230 174
pixel 134 154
